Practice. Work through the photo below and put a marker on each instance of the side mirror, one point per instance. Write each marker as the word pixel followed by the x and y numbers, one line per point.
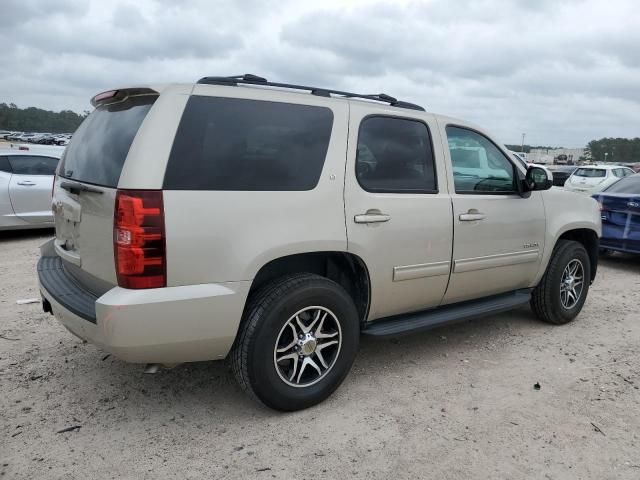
pixel 538 178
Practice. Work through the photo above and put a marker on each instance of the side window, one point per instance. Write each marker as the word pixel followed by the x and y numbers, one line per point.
pixel 4 165
pixel 627 172
pixel 33 165
pixel 236 144
pixel 395 156
pixel 479 167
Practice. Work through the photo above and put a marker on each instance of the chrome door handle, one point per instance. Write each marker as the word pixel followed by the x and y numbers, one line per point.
pixel 471 216
pixel 26 183
pixel 372 216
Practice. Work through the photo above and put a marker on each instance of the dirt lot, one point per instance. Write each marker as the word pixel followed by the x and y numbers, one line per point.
pixel 458 402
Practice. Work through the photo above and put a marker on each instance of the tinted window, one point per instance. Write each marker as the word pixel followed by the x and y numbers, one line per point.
pixel 478 165
pixel 33 165
pixel 590 172
pixel 101 144
pixel 629 184
pixel 395 155
pixel 234 144
pixel 618 172
pixel 4 165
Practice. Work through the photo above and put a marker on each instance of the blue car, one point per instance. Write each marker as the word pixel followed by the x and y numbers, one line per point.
pixel 620 207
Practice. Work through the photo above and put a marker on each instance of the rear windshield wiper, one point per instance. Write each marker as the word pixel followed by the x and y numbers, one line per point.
pixel 76 188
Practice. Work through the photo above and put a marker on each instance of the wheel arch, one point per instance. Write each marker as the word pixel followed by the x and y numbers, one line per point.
pixel 589 240
pixel 344 268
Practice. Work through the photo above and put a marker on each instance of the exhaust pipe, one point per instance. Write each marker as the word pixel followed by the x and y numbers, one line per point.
pixel 152 368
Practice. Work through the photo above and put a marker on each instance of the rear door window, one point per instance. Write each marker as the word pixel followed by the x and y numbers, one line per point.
pixel 32 164
pixel 395 156
pixel 100 145
pixel 237 144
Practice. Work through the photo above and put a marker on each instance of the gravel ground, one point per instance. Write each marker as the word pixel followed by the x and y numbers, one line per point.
pixel 457 402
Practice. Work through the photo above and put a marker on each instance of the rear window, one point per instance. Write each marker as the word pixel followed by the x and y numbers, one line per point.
pixel 101 144
pixel 626 185
pixel 590 172
pixel 236 144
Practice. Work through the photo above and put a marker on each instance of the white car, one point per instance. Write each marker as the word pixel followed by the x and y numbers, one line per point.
pixel 595 178
pixel 26 182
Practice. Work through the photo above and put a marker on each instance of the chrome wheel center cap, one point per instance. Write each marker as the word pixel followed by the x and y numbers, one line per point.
pixel 307 344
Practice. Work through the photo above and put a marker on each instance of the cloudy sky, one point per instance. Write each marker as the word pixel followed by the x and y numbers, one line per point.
pixel 563 71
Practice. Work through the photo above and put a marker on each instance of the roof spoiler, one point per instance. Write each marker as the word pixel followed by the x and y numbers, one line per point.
pixel 115 96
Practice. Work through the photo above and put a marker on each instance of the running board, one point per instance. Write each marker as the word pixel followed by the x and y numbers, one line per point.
pixel 436 317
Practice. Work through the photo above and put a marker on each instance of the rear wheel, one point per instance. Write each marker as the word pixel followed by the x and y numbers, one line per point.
pixel 563 289
pixel 297 342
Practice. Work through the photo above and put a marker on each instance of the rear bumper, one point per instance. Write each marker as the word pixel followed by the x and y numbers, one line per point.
pixel 161 325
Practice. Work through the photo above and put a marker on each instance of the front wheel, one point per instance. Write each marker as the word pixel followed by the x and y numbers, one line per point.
pixel 563 289
pixel 297 342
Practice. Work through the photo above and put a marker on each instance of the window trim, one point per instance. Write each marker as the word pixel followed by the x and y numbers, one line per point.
pixel 517 173
pixel 33 174
pixel 425 191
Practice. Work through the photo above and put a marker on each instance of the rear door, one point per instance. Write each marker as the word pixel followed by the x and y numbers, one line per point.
pixel 30 187
pixel 398 211
pixel 88 177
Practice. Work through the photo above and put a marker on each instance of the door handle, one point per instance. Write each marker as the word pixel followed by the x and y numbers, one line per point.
pixel 26 183
pixel 471 216
pixel 372 216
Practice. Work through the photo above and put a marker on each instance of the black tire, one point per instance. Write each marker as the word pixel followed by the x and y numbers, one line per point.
pixel 267 313
pixel 545 300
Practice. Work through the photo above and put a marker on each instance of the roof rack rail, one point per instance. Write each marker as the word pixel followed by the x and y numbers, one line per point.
pixel 250 79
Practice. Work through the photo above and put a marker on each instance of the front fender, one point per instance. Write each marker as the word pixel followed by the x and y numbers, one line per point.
pixel 566 212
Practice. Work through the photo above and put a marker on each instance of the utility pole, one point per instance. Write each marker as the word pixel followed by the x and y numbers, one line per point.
pixel 522 144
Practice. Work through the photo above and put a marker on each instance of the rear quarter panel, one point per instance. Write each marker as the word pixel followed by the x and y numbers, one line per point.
pixel 222 236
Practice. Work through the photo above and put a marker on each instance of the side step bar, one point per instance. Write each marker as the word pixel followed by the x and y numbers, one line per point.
pixel 398 325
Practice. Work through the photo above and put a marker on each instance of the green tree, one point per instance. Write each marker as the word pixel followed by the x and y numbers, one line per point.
pixel 34 119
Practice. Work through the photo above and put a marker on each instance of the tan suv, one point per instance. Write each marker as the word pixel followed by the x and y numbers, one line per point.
pixel 273 224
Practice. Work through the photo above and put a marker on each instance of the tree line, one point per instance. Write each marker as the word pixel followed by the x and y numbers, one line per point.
pixel 619 150
pixel 38 120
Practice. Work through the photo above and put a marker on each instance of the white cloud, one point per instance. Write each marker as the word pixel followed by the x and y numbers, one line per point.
pixel 562 71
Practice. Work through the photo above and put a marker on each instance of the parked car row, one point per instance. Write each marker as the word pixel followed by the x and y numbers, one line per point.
pixel 39 138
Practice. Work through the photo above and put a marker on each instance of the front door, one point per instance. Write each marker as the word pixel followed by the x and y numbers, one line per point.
pixel 498 234
pixel 30 187
pixel 398 212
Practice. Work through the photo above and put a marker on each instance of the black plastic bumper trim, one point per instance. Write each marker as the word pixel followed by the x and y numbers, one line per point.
pixel 64 290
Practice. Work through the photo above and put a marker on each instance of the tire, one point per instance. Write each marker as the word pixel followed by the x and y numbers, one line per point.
pixel 269 327
pixel 547 301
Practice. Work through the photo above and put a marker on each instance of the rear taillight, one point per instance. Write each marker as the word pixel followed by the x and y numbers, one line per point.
pixel 139 239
